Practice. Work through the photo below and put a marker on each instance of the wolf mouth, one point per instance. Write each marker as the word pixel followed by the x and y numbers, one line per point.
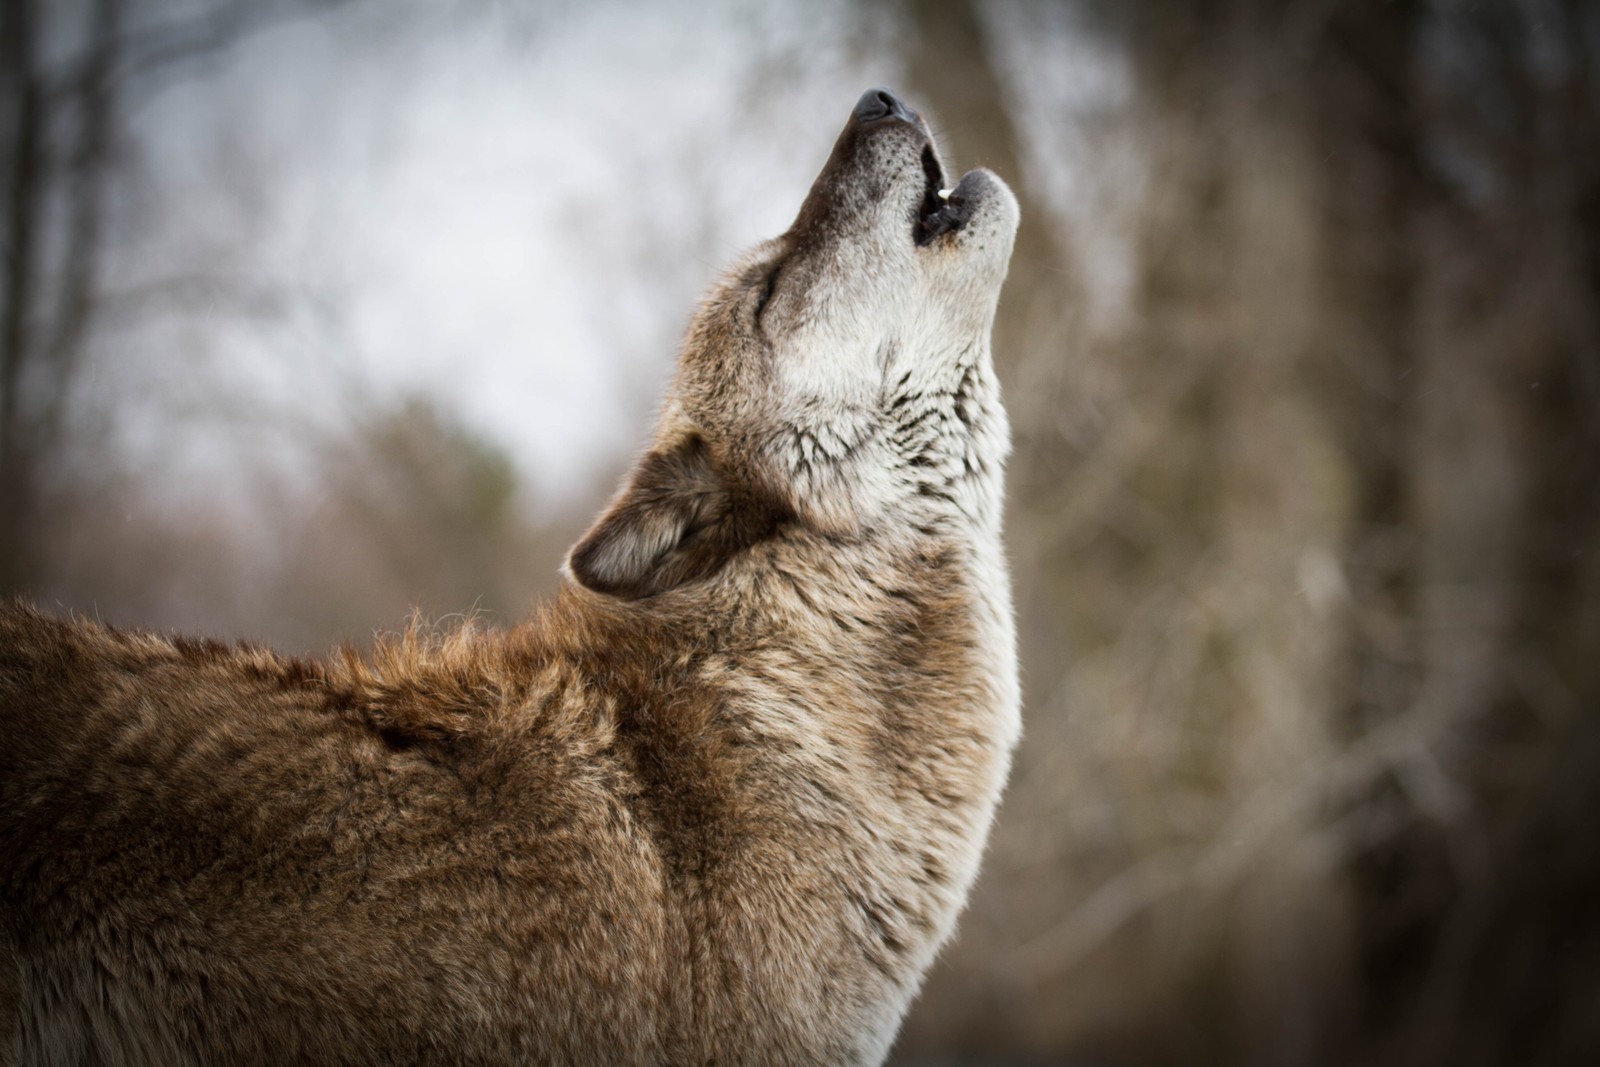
pixel 942 210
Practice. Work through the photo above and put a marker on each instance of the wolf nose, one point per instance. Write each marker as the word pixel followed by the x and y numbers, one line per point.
pixel 880 103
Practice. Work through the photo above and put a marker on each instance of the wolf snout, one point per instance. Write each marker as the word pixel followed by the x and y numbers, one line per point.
pixel 879 103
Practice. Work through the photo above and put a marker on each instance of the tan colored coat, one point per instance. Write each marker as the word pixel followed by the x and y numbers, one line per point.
pixel 719 802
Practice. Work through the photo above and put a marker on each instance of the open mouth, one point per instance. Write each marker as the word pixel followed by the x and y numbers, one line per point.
pixel 942 210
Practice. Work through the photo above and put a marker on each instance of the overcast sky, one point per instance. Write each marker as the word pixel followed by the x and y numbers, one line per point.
pixel 513 214
pixel 509 209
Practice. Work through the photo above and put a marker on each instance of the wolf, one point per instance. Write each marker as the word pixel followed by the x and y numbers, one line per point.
pixel 719 801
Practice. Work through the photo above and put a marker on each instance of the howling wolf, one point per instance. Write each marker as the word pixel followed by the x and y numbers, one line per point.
pixel 720 801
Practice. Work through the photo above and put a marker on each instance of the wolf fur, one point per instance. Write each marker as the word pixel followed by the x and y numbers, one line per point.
pixel 720 801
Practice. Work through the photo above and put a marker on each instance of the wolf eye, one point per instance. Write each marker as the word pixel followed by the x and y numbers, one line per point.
pixel 766 294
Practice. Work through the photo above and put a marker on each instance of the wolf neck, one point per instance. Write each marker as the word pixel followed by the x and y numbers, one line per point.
pixel 863 691
pixel 920 614
pixel 897 663
pixel 951 434
pixel 937 546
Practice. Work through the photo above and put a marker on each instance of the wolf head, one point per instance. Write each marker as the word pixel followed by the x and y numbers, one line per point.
pixel 837 379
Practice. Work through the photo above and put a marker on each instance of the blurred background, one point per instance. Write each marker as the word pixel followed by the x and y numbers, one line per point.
pixel 314 312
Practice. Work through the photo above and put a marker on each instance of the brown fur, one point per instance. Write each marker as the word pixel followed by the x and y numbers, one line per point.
pixel 719 802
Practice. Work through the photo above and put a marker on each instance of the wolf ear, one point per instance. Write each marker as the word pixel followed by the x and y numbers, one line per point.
pixel 678 520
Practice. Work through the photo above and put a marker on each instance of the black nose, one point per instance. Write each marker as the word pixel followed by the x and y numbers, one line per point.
pixel 880 103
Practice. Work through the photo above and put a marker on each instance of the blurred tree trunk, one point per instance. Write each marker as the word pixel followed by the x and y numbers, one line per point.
pixel 58 156
pixel 1471 319
pixel 26 185
pixel 1369 134
pixel 1254 496
pixel 19 93
pixel 1371 130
